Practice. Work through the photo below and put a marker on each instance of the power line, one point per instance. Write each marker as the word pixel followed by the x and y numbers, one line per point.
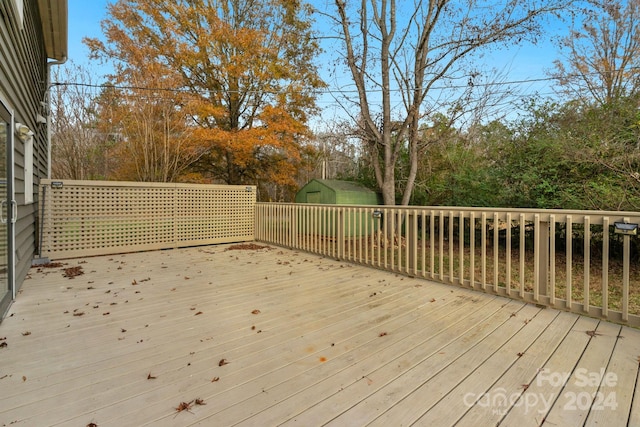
pixel 328 90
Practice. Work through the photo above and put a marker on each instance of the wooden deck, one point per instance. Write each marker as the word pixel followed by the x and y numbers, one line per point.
pixel 270 337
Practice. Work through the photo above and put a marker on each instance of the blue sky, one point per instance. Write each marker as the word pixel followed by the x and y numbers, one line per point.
pixel 518 63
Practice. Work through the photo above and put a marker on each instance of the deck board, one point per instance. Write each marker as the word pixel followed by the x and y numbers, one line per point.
pixel 333 343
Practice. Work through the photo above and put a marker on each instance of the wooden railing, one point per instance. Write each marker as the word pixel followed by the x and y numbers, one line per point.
pixel 571 260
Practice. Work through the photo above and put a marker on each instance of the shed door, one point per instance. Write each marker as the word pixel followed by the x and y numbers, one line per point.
pixel 313 197
pixel 6 226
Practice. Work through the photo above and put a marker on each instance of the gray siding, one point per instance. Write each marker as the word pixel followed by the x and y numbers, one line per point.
pixel 23 80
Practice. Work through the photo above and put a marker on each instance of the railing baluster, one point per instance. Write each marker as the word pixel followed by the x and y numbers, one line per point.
pixel 414 244
pixel 569 256
pixel 605 267
pixel 552 259
pixel 441 248
pixel 483 259
pixel 432 243
pixel 461 248
pixel 451 243
pixel 508 255
pixel 587 262
pixel 536 257
pixel 423 243
pixel 472 252
pixel 522 253
pixel 398 235
pixel 496 251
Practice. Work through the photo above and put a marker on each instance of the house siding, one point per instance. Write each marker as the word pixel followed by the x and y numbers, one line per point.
pixel 23 81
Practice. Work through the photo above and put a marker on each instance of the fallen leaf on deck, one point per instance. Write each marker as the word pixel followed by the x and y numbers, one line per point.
pixel 198 313
pixel 433 300
pixel 92 425
pixel 200 402
pixel 151 377
pixel 382 334
pixel 106 313
pixel 25 333
pixel 215 379
pixel 24 378
pixel 255 311
pixel 184 406
pixel 79 313
pixel 592 333
pixel 3 344
pixel 72 272
pixel 222 362
pixel 134 282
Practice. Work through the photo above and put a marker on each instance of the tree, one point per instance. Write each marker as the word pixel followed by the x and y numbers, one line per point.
pixel 150 133
pixel 78 148
pixel 246 66
pixel 401 59
pixel 600 75
pixel 602 57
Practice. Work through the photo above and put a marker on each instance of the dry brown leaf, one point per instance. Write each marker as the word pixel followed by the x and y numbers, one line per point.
pixel 72 272
pixel 198 313
pixel 25 333
pixel 184 406
pixel 256 311
pixel 151 377
pixel 215 379
pixel 222 362
pixel 199 402
pixel 382 334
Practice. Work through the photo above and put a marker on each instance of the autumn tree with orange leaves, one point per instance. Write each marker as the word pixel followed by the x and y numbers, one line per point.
pixel 240 71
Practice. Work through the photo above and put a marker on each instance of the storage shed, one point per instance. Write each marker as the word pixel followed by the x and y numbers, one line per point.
pixel 336 192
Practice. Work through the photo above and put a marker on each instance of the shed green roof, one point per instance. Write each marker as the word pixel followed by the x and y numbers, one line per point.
pixel 337 184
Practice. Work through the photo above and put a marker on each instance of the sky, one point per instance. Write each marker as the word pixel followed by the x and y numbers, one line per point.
pixel 517 64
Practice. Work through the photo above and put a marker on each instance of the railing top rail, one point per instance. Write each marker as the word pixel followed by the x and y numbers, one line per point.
pixel 103 184
pixel 558 212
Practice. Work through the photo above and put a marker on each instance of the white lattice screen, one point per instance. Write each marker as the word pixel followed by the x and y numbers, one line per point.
pixel 83 218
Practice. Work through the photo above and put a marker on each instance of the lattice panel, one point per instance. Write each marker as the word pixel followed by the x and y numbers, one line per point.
pixel 99 217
